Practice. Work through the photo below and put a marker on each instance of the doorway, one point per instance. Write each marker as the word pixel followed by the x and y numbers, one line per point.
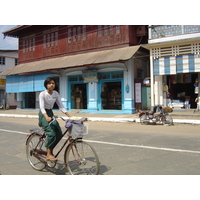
pixel 78 96
pixel 146 98
pixel 30 100
pixel 111 96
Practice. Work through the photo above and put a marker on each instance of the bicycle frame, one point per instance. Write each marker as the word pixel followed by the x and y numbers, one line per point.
pixel 42 136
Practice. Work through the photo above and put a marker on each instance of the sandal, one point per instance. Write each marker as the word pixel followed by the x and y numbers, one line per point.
pixel 51 159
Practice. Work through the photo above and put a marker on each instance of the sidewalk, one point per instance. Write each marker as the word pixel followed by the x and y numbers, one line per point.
pixel 179 116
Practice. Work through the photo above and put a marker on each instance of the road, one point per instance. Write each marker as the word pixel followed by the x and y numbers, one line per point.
pixel 123 148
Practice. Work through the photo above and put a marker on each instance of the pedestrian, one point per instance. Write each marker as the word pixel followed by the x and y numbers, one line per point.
pixel 47 99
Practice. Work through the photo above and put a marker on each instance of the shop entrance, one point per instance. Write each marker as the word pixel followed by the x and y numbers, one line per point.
pixel 111 96
pixel 78 96
pixel 182 90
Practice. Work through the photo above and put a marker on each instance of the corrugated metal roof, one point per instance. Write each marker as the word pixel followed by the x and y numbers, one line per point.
pixel 93 58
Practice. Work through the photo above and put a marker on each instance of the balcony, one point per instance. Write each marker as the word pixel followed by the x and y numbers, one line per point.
pixel 165 33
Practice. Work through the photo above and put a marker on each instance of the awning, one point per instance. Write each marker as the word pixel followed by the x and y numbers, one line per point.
pixel 176 65
pixel 79 60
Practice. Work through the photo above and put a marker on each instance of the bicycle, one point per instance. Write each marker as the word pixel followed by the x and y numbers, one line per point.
pixel 79 156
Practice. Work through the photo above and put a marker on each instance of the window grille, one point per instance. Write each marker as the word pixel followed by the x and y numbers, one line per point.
pixel 104 76
pixel 186 49
pixel 117 75
pixel 73 79
pixel 2 60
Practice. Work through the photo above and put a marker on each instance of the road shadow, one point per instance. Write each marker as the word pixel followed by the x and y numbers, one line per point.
pixel 103 169
pixel 60 169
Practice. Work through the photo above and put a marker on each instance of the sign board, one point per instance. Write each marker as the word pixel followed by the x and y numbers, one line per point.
pixel 2 81
pixel 138 95
pixel 90 76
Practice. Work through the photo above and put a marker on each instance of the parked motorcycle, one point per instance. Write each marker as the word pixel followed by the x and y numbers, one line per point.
pixel 162 118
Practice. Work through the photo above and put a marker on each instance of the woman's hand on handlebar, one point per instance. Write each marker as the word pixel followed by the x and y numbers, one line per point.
pixel 49 119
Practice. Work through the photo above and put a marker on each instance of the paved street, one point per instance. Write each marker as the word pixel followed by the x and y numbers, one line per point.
pixel 123 148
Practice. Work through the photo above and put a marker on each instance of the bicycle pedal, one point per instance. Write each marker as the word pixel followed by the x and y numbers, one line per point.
pixel 51 163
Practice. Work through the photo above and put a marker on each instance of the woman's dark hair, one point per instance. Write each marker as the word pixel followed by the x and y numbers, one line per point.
pixel 48 79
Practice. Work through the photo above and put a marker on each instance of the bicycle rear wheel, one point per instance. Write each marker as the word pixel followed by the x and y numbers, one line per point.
pixel 144 119
pixel 81 159
pixel 36 157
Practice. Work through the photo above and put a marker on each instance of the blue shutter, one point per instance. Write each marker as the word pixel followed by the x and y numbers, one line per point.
pixel 26 83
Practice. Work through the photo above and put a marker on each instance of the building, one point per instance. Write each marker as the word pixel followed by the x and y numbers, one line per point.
pixel 8 59
pixel 175 64
pixel 98 68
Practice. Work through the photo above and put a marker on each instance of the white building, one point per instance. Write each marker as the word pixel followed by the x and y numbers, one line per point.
pixel 8 59
pixel 175 65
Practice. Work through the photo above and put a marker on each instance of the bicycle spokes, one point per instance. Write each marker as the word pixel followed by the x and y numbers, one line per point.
pixel 80 158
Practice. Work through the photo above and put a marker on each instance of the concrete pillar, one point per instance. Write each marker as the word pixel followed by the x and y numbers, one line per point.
pixel 20 100
pixel 152 81
pixel 129 87
pixel 158 90
pixel 92 97
pixel 64 91
pixel 37 99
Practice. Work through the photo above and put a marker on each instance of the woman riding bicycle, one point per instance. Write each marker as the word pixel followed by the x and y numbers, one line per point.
pixel 47 99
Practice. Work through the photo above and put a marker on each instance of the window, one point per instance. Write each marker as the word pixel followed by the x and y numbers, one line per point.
pixel 50 38
pixel 105 30
pixel 16 61
pixel 108 30
pixel 72 79
pixel 79 33
pixel 117 29
pixel 56 38
pixel 99 30
pixel 111 29
pixel 74 34
pixel 75 78
pixel 2 60
pixel 28 43
pixel 44 41
pixel 111 75
pixel 117 75
pixel 84 32
pixel 104 76
pixel 69 35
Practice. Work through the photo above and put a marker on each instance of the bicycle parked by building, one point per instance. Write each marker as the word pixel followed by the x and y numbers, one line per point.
pixel 79 156
pixel 161 118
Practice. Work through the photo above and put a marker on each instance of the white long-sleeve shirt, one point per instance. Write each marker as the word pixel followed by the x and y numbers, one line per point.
pixel 47 101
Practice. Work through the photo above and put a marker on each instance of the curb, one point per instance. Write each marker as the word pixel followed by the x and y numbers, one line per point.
pixel 137 120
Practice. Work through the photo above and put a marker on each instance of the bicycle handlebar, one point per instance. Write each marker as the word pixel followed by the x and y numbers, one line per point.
pixel 56 117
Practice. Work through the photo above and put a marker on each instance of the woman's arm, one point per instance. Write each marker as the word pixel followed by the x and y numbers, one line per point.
pixel 61 106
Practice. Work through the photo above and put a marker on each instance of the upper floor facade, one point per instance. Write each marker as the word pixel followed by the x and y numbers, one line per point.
pixel 8 59
pixel 38 42
pixel 174 40
pixel 168 33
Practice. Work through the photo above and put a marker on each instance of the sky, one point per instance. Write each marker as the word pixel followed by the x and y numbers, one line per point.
pixel 9 43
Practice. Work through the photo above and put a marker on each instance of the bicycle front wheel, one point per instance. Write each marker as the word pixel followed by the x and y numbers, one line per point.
pixel 167 119
pixel 81 159
pixel 35 156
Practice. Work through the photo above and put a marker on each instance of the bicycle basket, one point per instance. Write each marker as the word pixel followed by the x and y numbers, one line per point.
pixel 78 130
